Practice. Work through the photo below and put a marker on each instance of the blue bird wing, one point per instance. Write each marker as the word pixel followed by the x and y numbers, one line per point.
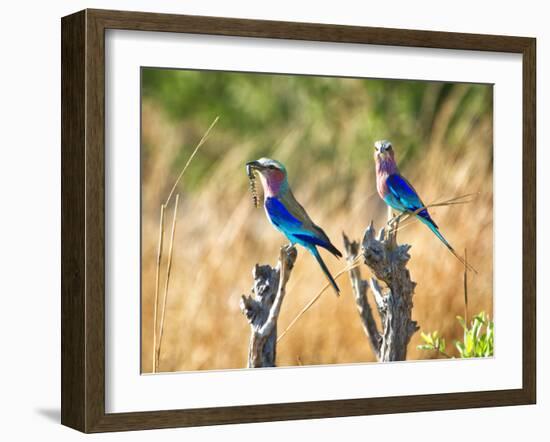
pixel 405 198
pixel 280 216
pixel 403 195
pixel 294 222
pixel 291 219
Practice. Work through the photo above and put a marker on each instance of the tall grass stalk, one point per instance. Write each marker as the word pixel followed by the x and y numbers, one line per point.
pixel 163 207
pixel 466 286
pixel 167 279
pixel 201 142
pixel 157 285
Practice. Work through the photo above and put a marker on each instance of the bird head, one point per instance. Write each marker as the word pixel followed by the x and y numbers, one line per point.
pixel 272 174
pixel 384 157
pixel 383 149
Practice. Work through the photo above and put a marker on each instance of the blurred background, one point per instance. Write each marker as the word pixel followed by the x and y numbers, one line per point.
pixel 323 130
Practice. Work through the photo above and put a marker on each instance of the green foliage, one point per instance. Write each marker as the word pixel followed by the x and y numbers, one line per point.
pixel 432 341
pixel 478 339
pixel 477 342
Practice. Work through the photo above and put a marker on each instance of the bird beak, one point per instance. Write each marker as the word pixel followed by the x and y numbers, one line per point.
pixel 251 166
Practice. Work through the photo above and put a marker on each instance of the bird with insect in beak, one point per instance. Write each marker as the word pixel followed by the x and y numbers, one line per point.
pixel 287 215
pixel 400 195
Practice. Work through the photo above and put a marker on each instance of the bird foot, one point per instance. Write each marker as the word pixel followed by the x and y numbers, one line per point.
pixel 392 228
pixel 393 221
pixel 286 248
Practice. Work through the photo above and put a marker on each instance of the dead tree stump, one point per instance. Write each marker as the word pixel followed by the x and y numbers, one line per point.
pixel 262 308
pixel 388 262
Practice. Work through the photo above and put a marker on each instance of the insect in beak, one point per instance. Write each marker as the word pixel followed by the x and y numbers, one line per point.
pixel 252 181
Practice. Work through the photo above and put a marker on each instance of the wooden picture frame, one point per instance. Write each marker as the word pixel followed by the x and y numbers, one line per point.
pixel 83 220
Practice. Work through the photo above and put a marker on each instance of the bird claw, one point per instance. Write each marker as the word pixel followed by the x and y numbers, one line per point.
pixel 392 227
pixel 391 222
pixel 286 248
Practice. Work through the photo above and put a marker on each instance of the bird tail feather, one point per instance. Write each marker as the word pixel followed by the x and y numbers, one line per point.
pixel 325 269
pixel 437 233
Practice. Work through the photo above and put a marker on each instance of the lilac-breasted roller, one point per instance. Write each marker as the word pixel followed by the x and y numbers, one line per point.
pixel 287 215
pixel 399 194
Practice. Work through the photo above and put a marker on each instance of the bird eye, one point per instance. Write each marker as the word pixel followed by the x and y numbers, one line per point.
pixel 388 147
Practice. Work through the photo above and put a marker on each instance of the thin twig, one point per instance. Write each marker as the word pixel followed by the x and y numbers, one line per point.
pixel 466 286
pixel 157 284
pixel 313 300
pixel 167 280
pixel 408 219
pixel 201 142
pixel 404 216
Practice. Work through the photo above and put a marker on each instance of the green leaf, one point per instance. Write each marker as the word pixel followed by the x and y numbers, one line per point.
pixel 427 338
pixel 462 322
pixel 460 347
pixel 469 344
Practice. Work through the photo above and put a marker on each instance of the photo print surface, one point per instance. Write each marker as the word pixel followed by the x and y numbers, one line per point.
pixel 236 166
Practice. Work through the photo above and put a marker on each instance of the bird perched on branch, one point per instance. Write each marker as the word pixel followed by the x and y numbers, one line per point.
pixel 400 195
pixel 287 215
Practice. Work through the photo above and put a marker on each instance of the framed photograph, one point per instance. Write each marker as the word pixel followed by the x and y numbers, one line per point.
pixel 269 220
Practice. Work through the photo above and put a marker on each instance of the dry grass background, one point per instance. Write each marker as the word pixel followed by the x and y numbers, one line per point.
pixel 221 236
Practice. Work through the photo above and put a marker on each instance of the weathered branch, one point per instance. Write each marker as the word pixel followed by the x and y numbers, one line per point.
pixel 263 307
pixel 360 288
pixel 388 261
